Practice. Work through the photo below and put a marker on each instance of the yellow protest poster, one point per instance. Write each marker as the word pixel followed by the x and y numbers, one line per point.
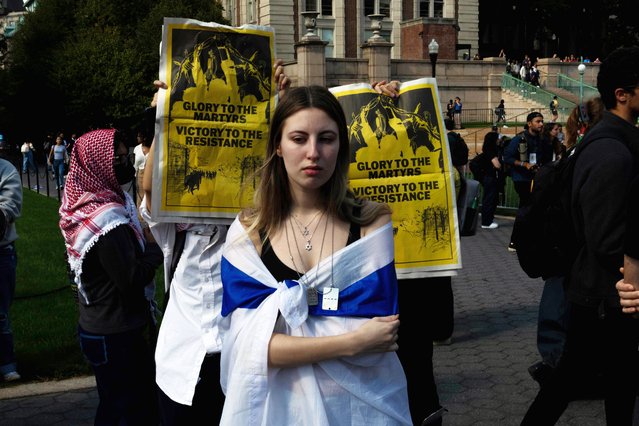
pixel 213 119
pixel 399 155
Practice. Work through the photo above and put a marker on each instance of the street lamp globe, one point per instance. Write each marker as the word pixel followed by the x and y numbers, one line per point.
pixel 433 47
pixel 433 50
pixel 581 68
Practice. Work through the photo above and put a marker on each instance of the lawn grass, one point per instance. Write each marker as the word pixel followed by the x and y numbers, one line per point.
pixel 44 313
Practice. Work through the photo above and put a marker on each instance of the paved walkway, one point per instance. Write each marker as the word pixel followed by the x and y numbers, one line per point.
pixel 481 377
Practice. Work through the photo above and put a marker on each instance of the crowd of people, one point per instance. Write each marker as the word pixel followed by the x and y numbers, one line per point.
pixel 252 330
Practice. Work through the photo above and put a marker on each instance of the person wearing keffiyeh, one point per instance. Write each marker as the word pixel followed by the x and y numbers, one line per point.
pixel 113 261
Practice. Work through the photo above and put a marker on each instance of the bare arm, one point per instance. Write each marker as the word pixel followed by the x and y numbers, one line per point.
pixel 147 178
pixel 376 335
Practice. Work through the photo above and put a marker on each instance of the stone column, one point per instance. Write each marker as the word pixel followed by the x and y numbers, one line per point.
pixel 378 52
pixel 311 61
pixel 494 75
pixel 549 68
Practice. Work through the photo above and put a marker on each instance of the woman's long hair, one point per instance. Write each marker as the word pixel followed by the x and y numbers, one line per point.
pixel 273 200
pixel 582 118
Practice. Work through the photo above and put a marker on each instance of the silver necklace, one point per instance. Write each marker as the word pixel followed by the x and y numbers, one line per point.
pixel 306 234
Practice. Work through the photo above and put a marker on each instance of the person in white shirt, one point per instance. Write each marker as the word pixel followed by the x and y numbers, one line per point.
pixel 188 347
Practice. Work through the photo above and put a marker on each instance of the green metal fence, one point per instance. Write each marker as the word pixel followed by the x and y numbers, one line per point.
pixel 571 85
pixel 534 93
pixel 508 202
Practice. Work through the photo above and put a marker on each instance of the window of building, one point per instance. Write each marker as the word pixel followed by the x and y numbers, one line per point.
pixel 251 12
pixel 377 6
pixel 229 11
pixel 325 7
pixel 326 34
pixel 431 8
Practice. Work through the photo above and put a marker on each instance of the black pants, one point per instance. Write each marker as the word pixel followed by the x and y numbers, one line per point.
pixel 125 377
pixel 592 342
pixel 208 400
pixel 425 314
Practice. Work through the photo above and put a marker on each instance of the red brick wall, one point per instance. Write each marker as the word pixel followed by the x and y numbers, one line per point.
pixel 415 46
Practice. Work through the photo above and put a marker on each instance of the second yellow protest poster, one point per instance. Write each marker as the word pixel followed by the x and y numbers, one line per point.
pixel 399 156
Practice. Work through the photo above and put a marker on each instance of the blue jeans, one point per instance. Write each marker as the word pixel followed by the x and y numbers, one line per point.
pixel 27 161
pixel 125 376
pixel 58 171
pixel 8 264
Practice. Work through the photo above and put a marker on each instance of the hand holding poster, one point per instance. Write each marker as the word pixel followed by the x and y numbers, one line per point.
pixel 399 155
pixel 213 119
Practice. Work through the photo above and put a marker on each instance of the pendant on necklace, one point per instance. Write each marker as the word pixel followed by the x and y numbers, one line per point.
pixel 311 297
pixel 305 232
pixel 308 246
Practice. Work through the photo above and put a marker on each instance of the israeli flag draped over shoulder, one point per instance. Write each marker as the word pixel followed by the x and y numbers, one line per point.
pixel 371 387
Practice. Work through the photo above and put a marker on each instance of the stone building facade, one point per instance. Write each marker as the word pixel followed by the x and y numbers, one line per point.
pixel 345 25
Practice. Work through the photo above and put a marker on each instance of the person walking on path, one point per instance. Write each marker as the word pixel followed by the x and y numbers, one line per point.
pixel 58 157
pixel 554 109
pixel 599 334
pixel 113 261
pixel 28 161
pixel 500 112
pixel 10 208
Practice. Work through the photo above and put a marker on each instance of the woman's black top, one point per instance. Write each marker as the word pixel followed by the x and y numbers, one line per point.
pixel 282 272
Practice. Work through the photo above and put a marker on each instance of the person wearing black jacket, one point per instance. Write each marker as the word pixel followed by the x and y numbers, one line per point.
pixel 599 335
pixel 490 180
pixel 524 154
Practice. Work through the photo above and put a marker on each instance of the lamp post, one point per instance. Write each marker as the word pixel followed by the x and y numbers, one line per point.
pixel 581 68
pixel 433 50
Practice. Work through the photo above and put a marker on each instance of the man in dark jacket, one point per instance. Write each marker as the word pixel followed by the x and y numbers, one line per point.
pixel 599 335
pixel 524 154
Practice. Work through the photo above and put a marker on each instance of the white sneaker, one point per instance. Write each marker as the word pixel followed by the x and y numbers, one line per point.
pixel 493 225
pixel 504 126
pixel 12 376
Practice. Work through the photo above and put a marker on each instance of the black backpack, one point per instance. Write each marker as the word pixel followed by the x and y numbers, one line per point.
pixel 477 167
pixel 543 233
pixel 458 149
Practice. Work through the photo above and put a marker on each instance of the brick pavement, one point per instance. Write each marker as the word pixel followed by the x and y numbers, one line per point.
pixel 482 376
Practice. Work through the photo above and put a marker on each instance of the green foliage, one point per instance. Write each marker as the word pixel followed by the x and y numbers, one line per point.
pixel 82 63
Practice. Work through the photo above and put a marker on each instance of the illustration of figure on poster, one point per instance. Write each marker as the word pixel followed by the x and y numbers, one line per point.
pixel 383 118
pixel 230 57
